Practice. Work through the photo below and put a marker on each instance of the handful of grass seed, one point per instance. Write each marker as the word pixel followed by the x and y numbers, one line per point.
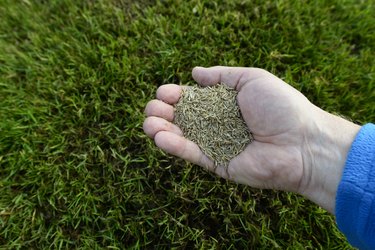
pixel 211 118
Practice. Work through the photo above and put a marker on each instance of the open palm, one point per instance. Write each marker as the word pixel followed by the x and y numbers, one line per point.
pixel 297 146
pixel 277 115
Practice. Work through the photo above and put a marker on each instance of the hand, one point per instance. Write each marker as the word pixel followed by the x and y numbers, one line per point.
pixel 297 146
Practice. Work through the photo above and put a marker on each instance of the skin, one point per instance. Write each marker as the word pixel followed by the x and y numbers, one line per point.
pixel 297 146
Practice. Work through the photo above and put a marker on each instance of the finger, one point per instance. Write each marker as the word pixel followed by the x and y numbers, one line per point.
pixel 181 147
pixel 169 93
pixel 153 125
pixel 160 109
pixel 234 77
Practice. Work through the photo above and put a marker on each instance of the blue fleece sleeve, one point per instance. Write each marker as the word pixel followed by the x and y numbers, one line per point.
pixel 355 199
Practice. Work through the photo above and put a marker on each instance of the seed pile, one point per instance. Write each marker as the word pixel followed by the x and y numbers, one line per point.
pixel 211 118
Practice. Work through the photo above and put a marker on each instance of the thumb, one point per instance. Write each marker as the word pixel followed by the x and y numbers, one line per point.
pixel 233 77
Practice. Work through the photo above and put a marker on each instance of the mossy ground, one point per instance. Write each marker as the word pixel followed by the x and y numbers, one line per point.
pixel 77 171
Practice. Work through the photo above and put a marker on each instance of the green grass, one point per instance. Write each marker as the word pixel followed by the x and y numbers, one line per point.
pixel 77 171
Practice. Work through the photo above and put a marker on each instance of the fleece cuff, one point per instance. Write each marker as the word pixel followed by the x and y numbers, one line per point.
pixel 355 199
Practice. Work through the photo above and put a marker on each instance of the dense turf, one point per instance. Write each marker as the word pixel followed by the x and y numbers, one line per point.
pixel 76 170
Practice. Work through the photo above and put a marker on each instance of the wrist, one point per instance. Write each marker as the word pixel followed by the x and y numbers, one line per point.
pixel 325 151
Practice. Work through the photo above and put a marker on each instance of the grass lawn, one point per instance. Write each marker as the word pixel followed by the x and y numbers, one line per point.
pixel 77 171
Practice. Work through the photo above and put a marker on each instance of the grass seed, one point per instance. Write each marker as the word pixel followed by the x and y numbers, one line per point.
pixel 211 118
